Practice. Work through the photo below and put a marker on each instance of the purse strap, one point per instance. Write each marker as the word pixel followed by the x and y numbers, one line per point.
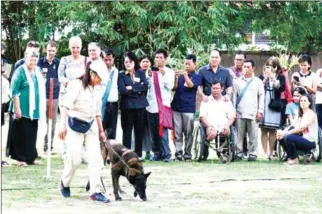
pixel 243 93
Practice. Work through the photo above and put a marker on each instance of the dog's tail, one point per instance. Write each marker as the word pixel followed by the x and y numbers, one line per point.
pixel 88 187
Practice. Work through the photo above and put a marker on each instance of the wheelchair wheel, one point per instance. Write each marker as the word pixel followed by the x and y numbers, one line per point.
pixel 308 159
pixel 280 151
pixel 198 143
pixel 317 152
pixel 226 156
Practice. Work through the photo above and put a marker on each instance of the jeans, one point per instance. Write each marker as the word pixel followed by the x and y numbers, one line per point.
pixel 160 145
pixel 291 143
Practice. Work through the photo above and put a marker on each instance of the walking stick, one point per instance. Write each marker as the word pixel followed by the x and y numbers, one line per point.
pixel 50 122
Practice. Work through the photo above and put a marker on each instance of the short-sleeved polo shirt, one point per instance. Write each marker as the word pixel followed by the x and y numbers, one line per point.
pixel 185 98
pixel 50 70
pixel 208 76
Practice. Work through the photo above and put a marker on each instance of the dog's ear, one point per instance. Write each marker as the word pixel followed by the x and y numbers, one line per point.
pixel 147 175
pixel 132 172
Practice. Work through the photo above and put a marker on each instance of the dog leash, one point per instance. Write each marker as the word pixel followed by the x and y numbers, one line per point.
pixel 121 159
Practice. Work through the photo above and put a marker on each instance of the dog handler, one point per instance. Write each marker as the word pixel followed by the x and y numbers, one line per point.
pixel 81 122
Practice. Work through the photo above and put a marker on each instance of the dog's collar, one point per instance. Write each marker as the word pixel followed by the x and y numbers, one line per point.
pixel 126 152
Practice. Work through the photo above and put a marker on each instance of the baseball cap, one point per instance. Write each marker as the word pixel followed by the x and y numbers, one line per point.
pixel 100 68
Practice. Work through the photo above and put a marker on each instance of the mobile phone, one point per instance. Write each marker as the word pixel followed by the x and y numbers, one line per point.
pixel 267 68
pixel 296 78
pixel 154 68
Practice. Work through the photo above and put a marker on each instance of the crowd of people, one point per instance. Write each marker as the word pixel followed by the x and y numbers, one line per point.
pixel 153 99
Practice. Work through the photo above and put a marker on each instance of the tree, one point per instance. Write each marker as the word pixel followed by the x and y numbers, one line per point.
pixel 178 27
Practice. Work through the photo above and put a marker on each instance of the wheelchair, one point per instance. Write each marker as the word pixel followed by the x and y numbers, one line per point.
pixel 309 157
pixel 223 145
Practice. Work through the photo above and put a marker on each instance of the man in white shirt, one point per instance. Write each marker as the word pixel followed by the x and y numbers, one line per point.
pixel 111 96
pixel 166 76
pixel 216 115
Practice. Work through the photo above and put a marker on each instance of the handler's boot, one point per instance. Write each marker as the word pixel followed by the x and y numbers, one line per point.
pixel 65 191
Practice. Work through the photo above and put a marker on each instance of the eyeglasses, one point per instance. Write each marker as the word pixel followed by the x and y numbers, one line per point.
pixel 239 59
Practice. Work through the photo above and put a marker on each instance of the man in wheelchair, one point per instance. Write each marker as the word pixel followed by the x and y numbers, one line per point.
pixel 216 115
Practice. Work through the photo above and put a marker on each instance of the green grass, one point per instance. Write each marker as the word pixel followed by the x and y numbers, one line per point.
pixel 176 187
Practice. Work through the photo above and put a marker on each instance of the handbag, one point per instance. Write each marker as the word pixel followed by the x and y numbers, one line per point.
pixel 79 125
pixel 275 104
pixel 165 112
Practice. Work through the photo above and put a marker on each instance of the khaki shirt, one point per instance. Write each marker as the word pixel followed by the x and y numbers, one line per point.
pixel 84 104
pixel 253 100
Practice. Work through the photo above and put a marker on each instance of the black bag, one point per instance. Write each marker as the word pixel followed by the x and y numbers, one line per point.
pixel 275 105
pixel 79 125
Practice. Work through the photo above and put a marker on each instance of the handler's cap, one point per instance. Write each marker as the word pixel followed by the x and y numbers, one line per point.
pixel 100 68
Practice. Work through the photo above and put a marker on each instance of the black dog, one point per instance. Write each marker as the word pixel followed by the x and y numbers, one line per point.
pixel 125 162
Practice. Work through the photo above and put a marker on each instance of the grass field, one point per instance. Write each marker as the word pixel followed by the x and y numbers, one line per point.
pixel 177 187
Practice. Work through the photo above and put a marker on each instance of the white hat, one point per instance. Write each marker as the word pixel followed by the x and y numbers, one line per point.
pixel 100 68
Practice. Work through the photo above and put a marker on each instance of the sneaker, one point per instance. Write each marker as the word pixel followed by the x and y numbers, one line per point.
pixel 266 157
pixel 252 157
pixel 178 156
pixel 155 158
pixel 141 159
pixel 65 191
pixel 147 156
pixel 167 160
pixel 99 197
pixel 238 158
pixel 187 157
pixel 245 156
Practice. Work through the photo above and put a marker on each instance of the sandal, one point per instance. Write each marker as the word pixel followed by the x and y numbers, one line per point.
pixel 21 163
pixel 36 163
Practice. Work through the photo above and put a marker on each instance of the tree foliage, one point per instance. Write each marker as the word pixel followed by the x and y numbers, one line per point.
pixel 176 26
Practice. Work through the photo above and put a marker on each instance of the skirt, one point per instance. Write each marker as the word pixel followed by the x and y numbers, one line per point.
pixel 22 138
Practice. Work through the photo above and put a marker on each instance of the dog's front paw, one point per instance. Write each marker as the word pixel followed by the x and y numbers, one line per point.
pixel 118 198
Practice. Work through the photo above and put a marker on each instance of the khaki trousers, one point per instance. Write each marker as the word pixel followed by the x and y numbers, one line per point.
pixel 73 158
pixel 252 130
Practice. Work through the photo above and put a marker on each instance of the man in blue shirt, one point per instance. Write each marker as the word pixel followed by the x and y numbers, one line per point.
pixel 49 65
pixel 209 73
pixel 213 71
pixel 184 106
